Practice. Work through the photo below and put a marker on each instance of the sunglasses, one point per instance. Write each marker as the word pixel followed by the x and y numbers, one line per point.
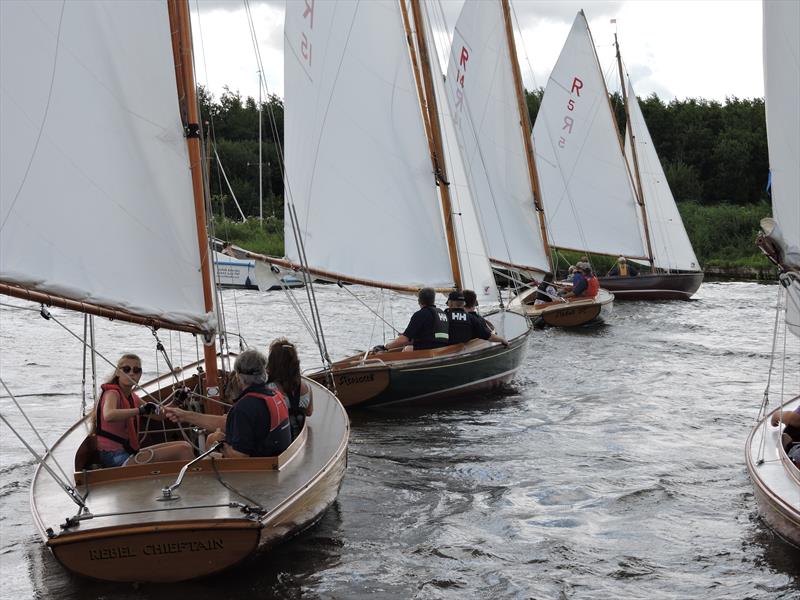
pixel 127 369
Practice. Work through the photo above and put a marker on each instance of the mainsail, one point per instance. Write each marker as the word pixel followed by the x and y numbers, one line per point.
pixel 782 90
pixel 587 192
pixel 96 202
pixel 358 166
pixel 482 97
pixel 672 249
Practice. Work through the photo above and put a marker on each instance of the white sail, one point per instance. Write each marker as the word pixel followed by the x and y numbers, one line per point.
pixel 586 187
pixel 482 97
pixel 782 90
pixel 358 166
pixel 476 271
pixel 95 188
pixel 672 249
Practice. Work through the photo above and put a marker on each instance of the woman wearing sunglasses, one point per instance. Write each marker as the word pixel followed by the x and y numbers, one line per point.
pixel 117 419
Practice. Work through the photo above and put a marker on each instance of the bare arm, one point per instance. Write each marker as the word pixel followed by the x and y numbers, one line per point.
pixel 207 422
pixel 111 411
pixel 498 338
pixel 398 342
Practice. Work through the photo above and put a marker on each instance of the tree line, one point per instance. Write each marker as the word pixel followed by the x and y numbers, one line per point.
pixel 714 156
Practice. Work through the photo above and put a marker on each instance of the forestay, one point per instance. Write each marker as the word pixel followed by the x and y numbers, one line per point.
pixel 358 167
pixel 482 97
pixel 782 89
pixel 586 188
pixel 96 200
pixel 476 272
pixel 672 249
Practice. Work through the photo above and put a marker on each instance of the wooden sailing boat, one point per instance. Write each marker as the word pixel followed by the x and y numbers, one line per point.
pixel 491 117
pixel 377 190
pixel 591 201
pixel 84 229
pixel 775 477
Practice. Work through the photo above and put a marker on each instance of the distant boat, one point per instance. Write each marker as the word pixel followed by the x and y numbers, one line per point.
pixel 491 122
pixel 112 224
pixel 238 273
pixel 775 477
pixel 595 200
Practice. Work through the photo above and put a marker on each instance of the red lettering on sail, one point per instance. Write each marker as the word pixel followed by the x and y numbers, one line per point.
pixel 309 12
pixel 577 85
pixel 464 57
pixel 568 122
pixel 305 49
pixel 571 104
pixel 305 36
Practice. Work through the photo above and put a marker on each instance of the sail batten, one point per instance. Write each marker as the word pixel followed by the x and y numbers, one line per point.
pixel 96 199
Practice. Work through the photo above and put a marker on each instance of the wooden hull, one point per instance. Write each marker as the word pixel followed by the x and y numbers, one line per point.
pixel 776 481
pixel 577 312
pixel 656 286
pixel 224 510
pixel 431 375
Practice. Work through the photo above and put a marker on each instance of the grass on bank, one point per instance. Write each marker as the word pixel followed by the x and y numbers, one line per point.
pixel 723 236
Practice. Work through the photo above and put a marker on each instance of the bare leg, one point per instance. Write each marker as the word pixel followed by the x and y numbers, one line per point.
pixel 181 451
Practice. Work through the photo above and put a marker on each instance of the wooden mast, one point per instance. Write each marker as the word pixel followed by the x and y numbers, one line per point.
pixel 525 125
pixel 430 108
pixel 184 75
pixel 639 190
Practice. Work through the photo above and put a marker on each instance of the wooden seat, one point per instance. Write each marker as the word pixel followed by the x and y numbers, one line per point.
pixel 86 457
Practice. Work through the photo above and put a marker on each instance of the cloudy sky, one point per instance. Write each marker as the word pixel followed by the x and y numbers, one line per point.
pixel 675 48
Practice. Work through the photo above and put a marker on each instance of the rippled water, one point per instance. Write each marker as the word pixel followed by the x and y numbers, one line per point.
pixel 613 467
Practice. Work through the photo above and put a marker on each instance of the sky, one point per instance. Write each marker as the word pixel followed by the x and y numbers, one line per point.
pixel 675 48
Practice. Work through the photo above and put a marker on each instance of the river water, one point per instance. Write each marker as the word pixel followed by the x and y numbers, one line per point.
pixel 612 467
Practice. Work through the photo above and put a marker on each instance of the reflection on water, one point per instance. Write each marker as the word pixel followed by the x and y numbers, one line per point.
pixel 612 467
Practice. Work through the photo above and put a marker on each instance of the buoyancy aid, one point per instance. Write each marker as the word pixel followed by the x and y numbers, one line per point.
pixel 592 286
pixel 297 414
pixel 119 435
pixel 278 416
pixel 459 327
pixel 622 268
pixel 439 336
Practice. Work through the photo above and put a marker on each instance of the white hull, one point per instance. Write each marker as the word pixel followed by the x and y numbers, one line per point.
pixel 776 481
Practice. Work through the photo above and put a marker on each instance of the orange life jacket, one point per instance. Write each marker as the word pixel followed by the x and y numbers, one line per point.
pixel 592 286
pixel 119 435
pixel 276 405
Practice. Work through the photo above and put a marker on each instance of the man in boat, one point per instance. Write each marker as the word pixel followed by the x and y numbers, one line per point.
pixel 585 286
pixel 463 325
pixel 791 432
pixel 257 423
pixel 471 306
pixel 428 327
pixel 623 269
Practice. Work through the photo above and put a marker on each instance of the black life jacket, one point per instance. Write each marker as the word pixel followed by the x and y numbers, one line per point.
pixel 460 328
pixel 297 415
pixel 439 335
pixel 541 292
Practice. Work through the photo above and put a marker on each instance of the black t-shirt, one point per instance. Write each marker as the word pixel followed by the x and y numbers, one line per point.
pixel 460 325
pixel 426 328
pixel 247 428
pixel 480 328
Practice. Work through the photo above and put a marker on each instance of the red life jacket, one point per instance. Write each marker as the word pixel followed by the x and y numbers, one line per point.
pixel 122 435
pixel 592 286
pixel 276 405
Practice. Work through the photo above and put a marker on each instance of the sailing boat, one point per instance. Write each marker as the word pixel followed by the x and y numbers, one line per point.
pixel 775 476
pixel 491 117
pixel 86 226
pixel 376 192
pixel 591 201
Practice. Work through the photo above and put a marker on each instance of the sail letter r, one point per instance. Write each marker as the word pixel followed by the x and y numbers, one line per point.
pixel 309 11
pixel 464 57
pixel 568 122
pixel 577 84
